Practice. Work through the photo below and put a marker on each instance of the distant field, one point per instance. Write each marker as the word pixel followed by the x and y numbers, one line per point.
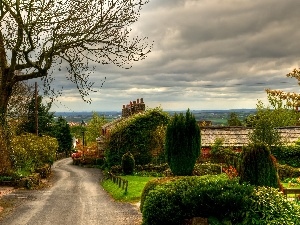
pixel 218 117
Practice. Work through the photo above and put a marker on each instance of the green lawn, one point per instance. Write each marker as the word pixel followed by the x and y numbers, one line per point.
pixel 286 185
pixel 136 185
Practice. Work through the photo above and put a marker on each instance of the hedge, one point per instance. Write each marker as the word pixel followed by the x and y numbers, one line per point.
pixel 218 199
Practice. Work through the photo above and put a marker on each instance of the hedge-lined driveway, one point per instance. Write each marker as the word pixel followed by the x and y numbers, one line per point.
pixel 75 198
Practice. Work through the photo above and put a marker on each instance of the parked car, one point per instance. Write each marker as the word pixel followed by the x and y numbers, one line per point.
pixel 76 155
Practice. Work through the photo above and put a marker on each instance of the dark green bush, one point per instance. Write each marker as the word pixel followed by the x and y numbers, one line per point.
pixel 258 167
pixel 163 206
pixel 182 145
pixel 205 196
pixel 137 134
pixel 223 201
pixel 128 163
pixel 151 185
pixel 207 169
pixel 285 171
pixel 219 198
pixel 287 155
pixel 116 170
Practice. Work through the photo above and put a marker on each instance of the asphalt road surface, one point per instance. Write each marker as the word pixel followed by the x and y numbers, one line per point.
pixel 75 198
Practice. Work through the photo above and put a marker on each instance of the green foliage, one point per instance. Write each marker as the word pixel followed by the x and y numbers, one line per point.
pixel 151 185
pixel 278 113
pixel 93 128
pixel 182 198
pixel 76 131
pixel 223 201
pixel 207 169
pixel 289 155
pixel 45 118
pixel 163 206
pixel 270 207
pixel 264 131
pixel 138 135
pixel 215 197
pixel 285 171
pixel 234 120
pixel 128 163
pixel 182 147
pixel 226 155
pixel 62 133
pixel 30 151
pixel 152 170
pixel 258 167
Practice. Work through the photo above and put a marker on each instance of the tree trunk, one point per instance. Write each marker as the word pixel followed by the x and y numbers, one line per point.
pixel 5 93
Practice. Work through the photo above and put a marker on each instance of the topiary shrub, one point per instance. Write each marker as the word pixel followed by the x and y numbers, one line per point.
pixel 182 143
pixel 128 163
pixel 151 185
pixel 258 167
pixel 221 200
pixel 183 198
pixel 163 206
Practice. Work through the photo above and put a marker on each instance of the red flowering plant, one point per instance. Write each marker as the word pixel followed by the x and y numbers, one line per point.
pixel 231 172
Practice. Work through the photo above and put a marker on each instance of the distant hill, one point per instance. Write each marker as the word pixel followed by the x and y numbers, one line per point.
pixel 218 117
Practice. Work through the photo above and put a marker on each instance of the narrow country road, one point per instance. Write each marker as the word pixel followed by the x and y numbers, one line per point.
pixel 75 198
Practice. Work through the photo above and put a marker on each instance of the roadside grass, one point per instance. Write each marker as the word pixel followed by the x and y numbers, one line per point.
pixel 136 185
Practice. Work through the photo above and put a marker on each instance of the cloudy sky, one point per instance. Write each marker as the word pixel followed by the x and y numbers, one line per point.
pixel 207 54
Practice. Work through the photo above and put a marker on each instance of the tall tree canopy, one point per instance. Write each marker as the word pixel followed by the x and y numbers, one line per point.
pixel 37 38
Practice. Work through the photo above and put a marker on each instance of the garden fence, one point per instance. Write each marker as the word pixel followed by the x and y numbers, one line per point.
pixel 122 183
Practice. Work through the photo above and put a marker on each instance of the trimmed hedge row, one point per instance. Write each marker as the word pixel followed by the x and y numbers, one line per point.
pixel 217 198
pixel 285 171
pixel 289 155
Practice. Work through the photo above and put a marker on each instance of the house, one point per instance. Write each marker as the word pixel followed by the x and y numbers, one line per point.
pixel 239 136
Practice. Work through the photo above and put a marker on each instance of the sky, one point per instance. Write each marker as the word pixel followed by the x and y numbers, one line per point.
pixel 207 54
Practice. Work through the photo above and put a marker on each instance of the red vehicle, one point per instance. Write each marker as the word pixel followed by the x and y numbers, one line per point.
pixel 76 155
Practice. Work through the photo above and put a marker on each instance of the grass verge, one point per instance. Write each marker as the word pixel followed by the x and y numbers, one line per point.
pixel 136 185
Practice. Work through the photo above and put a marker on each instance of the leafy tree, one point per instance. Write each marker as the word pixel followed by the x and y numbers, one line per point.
pixel 40 38
pixel 182 143
pixel 93 128
pixel 45 118
pixel 265 131
pixel 233 120
pixel 62 132
pixel 250 120
pixel 31 151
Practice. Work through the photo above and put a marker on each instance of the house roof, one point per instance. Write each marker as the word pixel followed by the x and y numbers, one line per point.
pixel 238 136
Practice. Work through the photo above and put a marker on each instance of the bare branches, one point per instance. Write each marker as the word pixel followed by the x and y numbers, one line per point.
pixel 296 74
pixel 38 35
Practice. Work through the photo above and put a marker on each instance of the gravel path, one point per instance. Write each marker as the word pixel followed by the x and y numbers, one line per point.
pixel 75 197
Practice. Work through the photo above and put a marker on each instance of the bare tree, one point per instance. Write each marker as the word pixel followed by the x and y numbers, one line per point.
pixel 39 38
